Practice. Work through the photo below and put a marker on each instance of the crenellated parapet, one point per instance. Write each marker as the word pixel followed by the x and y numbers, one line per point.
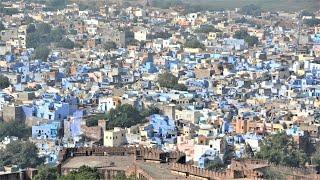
pixel 190 170
pixel 140 153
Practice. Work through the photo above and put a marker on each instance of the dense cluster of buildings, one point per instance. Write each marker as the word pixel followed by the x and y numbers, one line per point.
pixel 236 92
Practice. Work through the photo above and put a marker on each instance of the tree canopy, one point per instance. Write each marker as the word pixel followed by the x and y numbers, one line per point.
pixel 31 28
pixel 123 116
pixel 66 43
pixel 110 45
pixel 57 34
pixel 193 43
pixel 306 13
pixel 8 11
pixel 161 34
pixel 251 10
pixel 165 4
pixel 122 176
pixel 42 34
pixel 243 34
pixel 312 22
pixel 2 26
pixel 207 29
pixel 83 173
pixel 4 82
pixel 52 5
pixel 150 111
pixel 44 28
pixel 216 164
pixel 251 40
pixel 93 121
pixel 281 149
pixel 42 53
pixel 14 128
pixel 21 153
pixel 168 80
pixel 47 173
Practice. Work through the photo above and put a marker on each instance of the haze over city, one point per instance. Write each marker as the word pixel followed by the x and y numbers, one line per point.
pixel 159 89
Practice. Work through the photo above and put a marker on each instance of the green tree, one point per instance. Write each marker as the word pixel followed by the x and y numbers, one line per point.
pixel 43 28
pixel 312 22
pixel 31 28
pixel 47 173
pixel 73 32
pixel 150 111
pixel 110 45
pixel 251 10
pixel 180 87
pixel 248 151
pixel 14 128
pixel 4 82
pixel 306 13
pixel 165 4
pixel 42 53
pixel 32 40
pixel 92 122
pixel 207 29
pixel 66 43
pixel 161 34
pixel 123 116
pixel 281 149
pixel 316 158
pixel 54 5
pixel 122 176
pixel 21 153
pixel 57 34
pixel 83 173
pixel 8 11
pixel 193 43
pixel 241 20
pixel 251 40
pixel 216 164
pixel 241 34
pixel 167 80
pixel 270 173
pixel 2 26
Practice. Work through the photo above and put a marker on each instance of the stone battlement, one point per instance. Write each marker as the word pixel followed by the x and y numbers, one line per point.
pixel 294 169
pixel 190 170
pixel 141 153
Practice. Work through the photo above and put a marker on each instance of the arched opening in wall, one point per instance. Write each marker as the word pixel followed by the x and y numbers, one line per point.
pixel 182 160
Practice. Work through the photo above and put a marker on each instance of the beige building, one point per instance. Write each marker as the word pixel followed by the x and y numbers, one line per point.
pixel 140 35
pixel 114 138
pixel 188 115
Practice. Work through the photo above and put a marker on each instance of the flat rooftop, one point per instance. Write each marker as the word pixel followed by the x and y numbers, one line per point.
pixel 157 171
pixel 106 162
